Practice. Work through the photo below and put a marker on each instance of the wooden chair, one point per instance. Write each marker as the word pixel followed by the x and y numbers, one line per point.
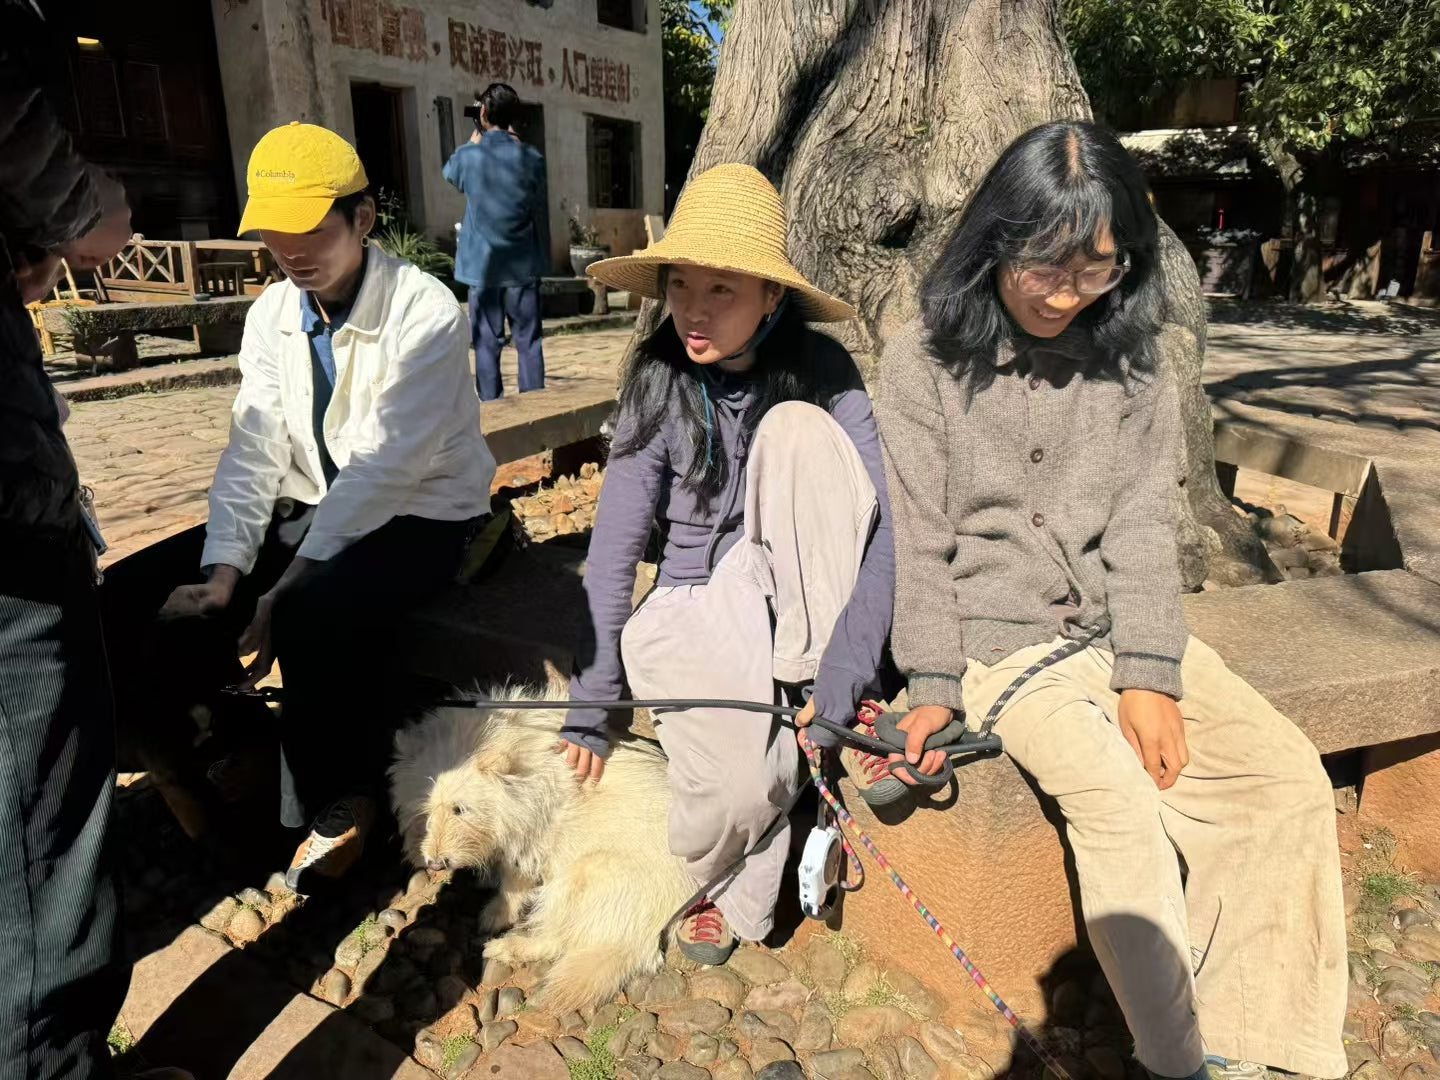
pixel 38 308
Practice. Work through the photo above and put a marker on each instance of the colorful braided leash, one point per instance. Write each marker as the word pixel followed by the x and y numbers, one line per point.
pixel 812 754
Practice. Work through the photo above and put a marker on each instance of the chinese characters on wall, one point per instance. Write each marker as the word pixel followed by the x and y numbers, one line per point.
pixel 595 76
pixel 386 29
pixel 379 26
pixel 497 55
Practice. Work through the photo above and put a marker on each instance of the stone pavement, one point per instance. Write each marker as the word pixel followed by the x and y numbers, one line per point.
pixel 150 457
pixel 1365 361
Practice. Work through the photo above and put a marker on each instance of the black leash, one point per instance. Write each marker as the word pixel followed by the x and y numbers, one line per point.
pixel 955 740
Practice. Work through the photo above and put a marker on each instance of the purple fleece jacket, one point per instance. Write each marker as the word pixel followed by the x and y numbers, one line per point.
pixel 645 487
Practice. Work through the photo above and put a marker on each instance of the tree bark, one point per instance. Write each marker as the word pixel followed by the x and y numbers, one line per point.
pixel 875 119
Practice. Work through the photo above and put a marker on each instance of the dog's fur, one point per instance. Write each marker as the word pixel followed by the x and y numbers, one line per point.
pixel 585 869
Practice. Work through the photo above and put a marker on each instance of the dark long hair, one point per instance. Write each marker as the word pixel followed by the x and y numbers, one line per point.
pixel 792 363
pixel 1044 201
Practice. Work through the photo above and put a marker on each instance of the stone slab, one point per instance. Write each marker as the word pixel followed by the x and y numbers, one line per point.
pixel 1352 660
pixel 519 425
pixel 201 1005
pixel 1251 446
pixel 159 315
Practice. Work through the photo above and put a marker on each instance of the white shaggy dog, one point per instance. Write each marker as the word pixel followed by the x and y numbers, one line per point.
pixel 585 869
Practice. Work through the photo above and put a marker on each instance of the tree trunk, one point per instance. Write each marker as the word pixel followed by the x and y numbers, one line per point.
pixel 875 119
pixel 1302 215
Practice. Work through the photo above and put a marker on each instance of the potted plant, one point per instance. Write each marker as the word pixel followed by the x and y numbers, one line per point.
pixel 585 246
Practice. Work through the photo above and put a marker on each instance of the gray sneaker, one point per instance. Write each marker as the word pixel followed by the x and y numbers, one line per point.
pixel 871 774
pixel 704 935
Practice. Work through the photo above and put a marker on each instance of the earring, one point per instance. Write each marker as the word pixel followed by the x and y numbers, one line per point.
pixel 365 240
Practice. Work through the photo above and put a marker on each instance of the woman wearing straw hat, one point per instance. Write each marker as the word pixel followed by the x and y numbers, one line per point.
pixel 749 439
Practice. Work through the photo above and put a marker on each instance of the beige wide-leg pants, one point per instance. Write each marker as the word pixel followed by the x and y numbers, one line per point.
pixel 1245 959
pixel 764 617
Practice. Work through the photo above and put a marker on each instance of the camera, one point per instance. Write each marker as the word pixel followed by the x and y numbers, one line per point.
pixel 472 112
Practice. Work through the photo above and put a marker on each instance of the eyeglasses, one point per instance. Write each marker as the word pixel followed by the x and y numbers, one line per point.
pixel 1091 281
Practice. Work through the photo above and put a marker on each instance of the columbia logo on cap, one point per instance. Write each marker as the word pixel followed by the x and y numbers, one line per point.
pixel 271 174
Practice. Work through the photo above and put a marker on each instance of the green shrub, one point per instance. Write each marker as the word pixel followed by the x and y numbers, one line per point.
pixel 402 242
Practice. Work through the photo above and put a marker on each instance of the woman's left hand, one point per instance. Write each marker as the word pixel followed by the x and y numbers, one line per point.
pixel 1152 725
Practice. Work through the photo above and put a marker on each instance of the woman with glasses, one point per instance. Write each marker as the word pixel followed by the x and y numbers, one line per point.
pixel 1033 448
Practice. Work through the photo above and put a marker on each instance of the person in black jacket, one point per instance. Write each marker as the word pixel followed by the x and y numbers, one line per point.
pixel 63 982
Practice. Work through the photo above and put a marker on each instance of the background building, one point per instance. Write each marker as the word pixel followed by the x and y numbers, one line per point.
pixel 172 94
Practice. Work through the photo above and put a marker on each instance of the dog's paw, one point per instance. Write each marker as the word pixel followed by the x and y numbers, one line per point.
pixel 500 949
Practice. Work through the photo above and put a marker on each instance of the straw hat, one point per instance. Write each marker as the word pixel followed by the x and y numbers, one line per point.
pixel 728 218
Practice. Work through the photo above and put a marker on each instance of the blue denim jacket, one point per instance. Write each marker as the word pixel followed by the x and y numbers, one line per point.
pixel 505 238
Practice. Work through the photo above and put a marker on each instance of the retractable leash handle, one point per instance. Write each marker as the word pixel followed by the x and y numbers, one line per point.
pixel 953 740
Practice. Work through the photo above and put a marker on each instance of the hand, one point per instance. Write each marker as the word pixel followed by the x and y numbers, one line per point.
pixel 211 598
pixel 110 233
pixel 804 719
pixel 585 764
pixel 475 136
pixel 919 724
pixel 36 279
pixel 1152 725
pixel 257 639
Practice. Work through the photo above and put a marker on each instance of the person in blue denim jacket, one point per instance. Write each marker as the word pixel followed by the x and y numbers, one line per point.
pixel 504 246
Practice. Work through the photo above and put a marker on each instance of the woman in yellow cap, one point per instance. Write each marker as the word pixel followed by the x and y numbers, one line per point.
pixel 748 438
pixel 352 482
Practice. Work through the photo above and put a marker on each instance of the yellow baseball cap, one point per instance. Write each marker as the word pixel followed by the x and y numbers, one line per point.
pixel 296 173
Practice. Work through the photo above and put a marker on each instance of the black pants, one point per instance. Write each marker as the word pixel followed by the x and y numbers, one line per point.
pixel 61 983
pixel 333 634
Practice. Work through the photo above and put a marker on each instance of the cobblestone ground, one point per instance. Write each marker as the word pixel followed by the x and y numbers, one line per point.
pixel 150 459
pixel 408 964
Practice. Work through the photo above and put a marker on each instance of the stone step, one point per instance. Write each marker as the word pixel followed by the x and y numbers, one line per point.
pixel 201 1005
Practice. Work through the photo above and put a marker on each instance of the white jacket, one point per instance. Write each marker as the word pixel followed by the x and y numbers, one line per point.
pixel 403 424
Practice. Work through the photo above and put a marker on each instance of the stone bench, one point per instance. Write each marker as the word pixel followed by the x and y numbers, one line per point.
pixel 563 414
pixel 1354 661
pixel 217 324
pixel 1389 474
pixel 566 296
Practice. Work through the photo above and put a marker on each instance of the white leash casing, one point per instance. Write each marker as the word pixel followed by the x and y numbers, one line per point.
pixel 819 872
